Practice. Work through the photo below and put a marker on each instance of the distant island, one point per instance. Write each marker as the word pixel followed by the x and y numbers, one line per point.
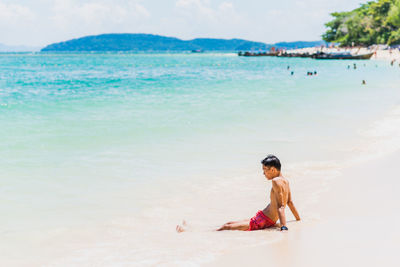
pixel 376 22
pixel 149 42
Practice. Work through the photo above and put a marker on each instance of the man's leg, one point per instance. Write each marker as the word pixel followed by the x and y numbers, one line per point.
pixel 239 225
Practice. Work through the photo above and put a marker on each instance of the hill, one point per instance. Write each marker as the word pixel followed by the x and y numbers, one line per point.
pixel 150 42
pixel 299 44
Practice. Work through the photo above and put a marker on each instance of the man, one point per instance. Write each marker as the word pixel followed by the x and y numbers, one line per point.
pixel 280 197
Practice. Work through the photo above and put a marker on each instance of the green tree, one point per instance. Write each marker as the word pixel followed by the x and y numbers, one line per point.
pixel 376 22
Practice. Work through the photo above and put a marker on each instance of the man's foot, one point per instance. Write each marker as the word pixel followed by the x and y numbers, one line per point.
pixel 181 228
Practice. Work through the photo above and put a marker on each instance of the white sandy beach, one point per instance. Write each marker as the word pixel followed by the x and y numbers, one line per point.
pixel 358 225
pixel 353 220
pixel 381 54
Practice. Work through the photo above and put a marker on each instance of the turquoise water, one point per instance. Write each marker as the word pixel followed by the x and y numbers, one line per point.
pixel 89 137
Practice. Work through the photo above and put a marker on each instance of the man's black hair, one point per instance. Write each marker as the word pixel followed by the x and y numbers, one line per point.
pixel 271 161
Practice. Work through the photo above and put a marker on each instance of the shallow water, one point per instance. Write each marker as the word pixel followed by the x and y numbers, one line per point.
pixel 102 154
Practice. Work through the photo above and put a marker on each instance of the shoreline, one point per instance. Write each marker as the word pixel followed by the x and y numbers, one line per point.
pixel 357 224
pixel 381 54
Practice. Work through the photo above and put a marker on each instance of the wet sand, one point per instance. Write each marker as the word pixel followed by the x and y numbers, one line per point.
pixel 358 224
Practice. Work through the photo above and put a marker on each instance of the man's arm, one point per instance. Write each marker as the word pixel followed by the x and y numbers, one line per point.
pixel 278 190
pixel 293 208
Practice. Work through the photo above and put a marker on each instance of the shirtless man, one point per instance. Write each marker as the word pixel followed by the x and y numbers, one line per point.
pixel 280 197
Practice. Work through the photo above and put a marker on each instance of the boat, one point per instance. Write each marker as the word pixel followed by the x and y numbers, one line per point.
pixel 341 55
pixel 285 54
pixel 258 54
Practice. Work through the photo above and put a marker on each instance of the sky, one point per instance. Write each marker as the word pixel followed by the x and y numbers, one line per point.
pixel 41 22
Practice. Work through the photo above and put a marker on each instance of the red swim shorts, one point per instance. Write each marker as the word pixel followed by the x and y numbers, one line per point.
pixel 260 221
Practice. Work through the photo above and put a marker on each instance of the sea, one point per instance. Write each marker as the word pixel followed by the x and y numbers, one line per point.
pixel 103 154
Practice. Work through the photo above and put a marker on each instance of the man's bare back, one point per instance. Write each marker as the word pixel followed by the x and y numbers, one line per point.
pixel 280 197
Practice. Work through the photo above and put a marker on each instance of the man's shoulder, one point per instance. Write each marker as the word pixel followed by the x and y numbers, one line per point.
pixel 279 179
pixel 280 182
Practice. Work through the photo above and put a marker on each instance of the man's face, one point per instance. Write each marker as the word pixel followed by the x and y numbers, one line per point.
pixel 269 172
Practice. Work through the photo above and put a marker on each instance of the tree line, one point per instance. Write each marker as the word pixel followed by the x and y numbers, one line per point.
pixel 376 22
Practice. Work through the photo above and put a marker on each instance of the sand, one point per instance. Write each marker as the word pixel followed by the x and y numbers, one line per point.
pixel 358 225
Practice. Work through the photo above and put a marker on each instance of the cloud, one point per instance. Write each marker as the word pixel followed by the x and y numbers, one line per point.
pixel 203 18
pixel 202 10
pixel 11 13
pixel 199 7
pixel 96 14
pixel 226 6
pixel 15 21
pixel 41 22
